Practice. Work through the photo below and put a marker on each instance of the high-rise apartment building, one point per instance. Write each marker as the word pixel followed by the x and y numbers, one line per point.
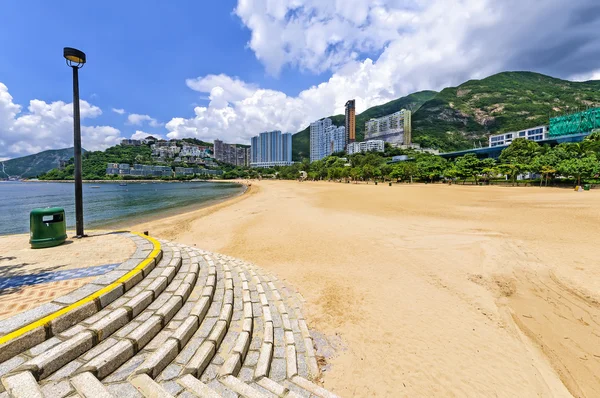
pixel 231 153
pixel 270 149
pixel 394 128
pixel 325 139
pixel 350 122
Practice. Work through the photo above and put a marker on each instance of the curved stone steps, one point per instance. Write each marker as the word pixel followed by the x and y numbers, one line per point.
pixel 57 358
pixel 51 355
pixel 231 331
pixel 290 334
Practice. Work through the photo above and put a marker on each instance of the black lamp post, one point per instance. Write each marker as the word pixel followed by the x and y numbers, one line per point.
pixel 76 59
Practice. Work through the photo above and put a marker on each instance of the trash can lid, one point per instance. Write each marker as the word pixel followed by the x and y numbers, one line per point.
pixel 47 210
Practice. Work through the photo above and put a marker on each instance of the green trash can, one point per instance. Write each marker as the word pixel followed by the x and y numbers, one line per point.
pixel 586 187
pixel 47 227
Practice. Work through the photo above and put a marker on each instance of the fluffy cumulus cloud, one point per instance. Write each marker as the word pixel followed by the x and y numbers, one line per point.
pixel 380 50
pixel 138 120
pixel 47 126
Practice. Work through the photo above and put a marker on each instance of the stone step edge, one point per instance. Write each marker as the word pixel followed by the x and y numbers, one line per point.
pixel 46 363
pixel 40 330
pixel 126 347
pixel 157 360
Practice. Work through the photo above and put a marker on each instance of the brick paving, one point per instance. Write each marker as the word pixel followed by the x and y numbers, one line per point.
pixel 16 300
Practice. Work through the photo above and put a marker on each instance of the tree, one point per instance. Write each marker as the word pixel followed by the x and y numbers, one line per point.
pixel 522 152
pixel 579 167
pixel 431 167
pixel 469 165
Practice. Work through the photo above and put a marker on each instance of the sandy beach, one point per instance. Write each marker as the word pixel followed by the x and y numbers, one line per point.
pixel 427 290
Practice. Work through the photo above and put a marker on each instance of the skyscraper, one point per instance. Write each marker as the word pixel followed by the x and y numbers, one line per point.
pixel 350 121
pixel 270 149
pixel 325 139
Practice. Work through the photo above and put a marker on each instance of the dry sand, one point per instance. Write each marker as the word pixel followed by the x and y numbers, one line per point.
pixel 428 290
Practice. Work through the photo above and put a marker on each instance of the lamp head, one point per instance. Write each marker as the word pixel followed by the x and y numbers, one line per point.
pixel 74 57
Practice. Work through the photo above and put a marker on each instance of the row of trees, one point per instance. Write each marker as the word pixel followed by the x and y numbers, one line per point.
pixel 577 161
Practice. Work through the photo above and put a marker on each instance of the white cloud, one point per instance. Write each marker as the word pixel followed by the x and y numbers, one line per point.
pixel 47 126
pixel 138 120
pixel 139 135
pixel 118 110
pixel 422 44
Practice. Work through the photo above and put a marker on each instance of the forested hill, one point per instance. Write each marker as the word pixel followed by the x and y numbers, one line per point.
pixel 459 117
pixel 34 165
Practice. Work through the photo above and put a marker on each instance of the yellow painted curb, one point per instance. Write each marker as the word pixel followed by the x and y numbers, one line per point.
pixel 46 320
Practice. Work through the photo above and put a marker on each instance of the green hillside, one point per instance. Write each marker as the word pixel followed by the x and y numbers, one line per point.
pixel 459 117
pixel 34 165
pixel 301 140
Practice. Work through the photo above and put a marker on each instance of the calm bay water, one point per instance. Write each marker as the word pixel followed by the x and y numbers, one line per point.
pixel 110 203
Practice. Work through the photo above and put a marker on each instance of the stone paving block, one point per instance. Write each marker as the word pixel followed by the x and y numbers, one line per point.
pixel 149 387
pixel 246 374
pixel 145 332
pixel 169 309
pixel 25 318
pixel 102 365
pixel 124 390
pixel 56 357
pixel 125 330
pixel 251 358
pixel 43 347
pixel 291 361
pixel 226 313
pixel 72 317
pixel 264 360
pixel 78 294
pixel 221 389
pixel 172 371
pixel 159 359
pixel 158 285
pixel 200 359
pixel 57 389
pixel 158 340
pixel 66 371
pixel 218 332
pixel 139 303
pixel 110 296
pixel 89 386
pixel 200 308
pixel 109 277
pixel 279 352
pixel 159 302
pixel 110 323
pixel 11 364
pixel 185 331
pixel 125 370
pixel 197 387
pixel 278 370
pixel 99 349
pixel 172 387
pixel 22 385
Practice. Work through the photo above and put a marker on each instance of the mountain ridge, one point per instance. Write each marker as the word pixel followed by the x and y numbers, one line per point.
pixel 36 164
pixel 460 117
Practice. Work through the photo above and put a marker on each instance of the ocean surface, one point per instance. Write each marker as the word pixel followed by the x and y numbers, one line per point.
pixel 109 203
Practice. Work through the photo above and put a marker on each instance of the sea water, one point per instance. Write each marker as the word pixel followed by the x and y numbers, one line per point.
pixel 106 203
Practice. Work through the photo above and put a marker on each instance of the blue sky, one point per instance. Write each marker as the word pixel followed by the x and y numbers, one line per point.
pixel 139 54
pixel 231 69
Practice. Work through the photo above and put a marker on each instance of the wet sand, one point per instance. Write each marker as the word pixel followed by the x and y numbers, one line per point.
pixel 427 290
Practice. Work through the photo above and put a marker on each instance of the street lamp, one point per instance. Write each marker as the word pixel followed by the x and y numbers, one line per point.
pixel 76 59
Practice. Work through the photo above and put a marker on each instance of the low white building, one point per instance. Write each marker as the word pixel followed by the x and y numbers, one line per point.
pixel 366 146
pixel 537 133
